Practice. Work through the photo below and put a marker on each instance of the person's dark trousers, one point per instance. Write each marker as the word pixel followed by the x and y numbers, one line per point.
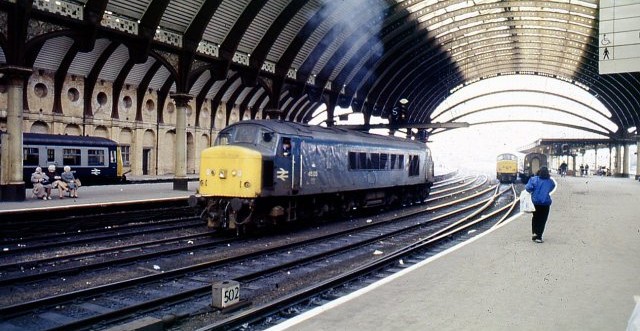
pixel 539 220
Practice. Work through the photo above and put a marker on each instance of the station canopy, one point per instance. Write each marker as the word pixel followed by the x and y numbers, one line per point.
pixel 288 57
pixel 569 146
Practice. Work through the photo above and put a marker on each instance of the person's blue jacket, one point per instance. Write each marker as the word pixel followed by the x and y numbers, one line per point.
pixel 540 189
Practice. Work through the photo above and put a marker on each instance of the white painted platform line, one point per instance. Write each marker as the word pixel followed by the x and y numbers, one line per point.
pixel 317 311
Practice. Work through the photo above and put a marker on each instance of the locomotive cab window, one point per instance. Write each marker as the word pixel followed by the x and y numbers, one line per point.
pixel 286 146
pixel 223 139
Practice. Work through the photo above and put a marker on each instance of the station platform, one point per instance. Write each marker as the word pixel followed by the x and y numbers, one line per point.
pixel 140 188
pixel 583 277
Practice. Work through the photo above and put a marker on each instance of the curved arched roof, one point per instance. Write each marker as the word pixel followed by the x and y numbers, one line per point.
pixel 290 56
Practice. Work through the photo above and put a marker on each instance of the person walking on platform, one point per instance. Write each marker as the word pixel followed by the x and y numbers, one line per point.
pixel 540 187
pixel 563 169
pixel 70 180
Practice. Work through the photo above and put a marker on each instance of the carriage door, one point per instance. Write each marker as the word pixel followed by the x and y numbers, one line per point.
pixel 288 165
pixel 535 165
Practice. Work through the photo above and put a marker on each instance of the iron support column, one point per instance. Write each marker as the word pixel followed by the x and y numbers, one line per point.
pixel 625 161
pixel 617 161
pixel 180 181
pixel 12 186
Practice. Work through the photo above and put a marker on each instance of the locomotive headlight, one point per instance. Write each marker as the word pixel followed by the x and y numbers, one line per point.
pixel 234 172
pixel 247 184
pixel 222 174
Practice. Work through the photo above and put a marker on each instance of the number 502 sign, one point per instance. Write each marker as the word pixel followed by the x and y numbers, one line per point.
pixel 225 294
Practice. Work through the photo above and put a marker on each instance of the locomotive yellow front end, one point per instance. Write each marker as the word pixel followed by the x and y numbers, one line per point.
pixel 230 180
pixel 230 171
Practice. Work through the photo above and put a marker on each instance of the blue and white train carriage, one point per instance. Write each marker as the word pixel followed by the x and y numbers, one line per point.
pixel 93 160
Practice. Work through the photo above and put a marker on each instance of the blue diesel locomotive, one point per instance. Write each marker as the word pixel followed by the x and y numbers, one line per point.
pixel 264 172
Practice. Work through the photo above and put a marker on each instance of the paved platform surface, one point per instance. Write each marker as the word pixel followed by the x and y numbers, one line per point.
pixel 143 188
pixel 582 278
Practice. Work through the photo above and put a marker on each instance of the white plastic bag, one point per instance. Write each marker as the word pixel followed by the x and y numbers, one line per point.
pixel 634 320
pixel 526 204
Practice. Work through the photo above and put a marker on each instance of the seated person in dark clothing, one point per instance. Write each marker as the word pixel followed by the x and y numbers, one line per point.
pixel 55 182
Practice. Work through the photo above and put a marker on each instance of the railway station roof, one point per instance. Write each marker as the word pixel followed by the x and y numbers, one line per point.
pixel 288 57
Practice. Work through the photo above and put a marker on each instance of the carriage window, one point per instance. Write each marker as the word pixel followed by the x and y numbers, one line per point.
pixel 95 157
pixel 375 161
pixel 71 156
pixel 51 155
pixel 362 160
pixel 383 161
pixel 31 156
pixel 369 161
pixel 393 161
pixel 353 161
pixel 414 165
pixel 401 162
pixel 112 156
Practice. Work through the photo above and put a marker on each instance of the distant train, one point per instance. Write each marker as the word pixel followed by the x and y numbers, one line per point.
pixel 532 163
pixel 264 172
pixel 507 168
pixel 93 160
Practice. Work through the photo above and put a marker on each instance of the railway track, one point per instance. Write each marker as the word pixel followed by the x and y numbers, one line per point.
pixel 190 285
pixel 316 294
pixel 62 253
pixel 22 224
pixel 60 263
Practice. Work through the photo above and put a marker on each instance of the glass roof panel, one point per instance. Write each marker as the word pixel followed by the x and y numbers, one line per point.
pixel 534 35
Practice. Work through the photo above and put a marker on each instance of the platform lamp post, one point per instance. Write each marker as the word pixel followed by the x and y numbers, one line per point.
pixel 180 181
pixel 398 115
